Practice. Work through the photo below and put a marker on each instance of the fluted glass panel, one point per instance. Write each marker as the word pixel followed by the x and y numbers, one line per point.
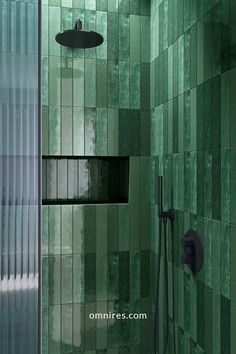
pixel 19 196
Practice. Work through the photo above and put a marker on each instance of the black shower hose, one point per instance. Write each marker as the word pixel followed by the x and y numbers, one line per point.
pixel 166 338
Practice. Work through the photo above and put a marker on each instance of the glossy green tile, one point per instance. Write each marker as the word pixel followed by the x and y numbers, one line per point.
pixel 134 86
pixel 45 129
pixel 55 329
pixel 112 325
pixel 135 275
pixel 124 328
pixel 62 183
pixel 45 230
pixel 51 181
pixel 113 6
pixel 124 38
pixel 101 328
pixel 66 279
pixel 66 23
pixel 102 29
pixel 45 280
pixel 200 52
pixel 54 217
pixel 112 36
pixel 113 84
pixel 101 90
pixel 78 327
pixel 233 174
pixel 113 276
pixel 225 325
pixel 101 132
pixel 135 38
pixel 124 276
pixel 102 5
pixel 54 144
pixel 54 27
pixel 45 80
pixel 54 268
pixel 90 83
pixel 90 4
pixel 78 131
pixel 54 90
pixel 89 229
pixel 66 130
pixel 45 330
pixel 90 23
pixel 78 75
pixel 233 105
pixel 66 229
pixel 134 198
pixel 90 130
pixel 90 277
pixel 113 145
pixel 90 327
pixel 112 228
pixel 225 259
pixel 66 328
pixel 78 278
pixel 124 82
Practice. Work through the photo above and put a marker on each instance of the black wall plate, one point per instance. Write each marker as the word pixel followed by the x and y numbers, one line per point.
pixel 193 251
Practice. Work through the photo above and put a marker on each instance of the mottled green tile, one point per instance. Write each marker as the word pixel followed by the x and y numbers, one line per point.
pixel 90 24
pixel 113 276
pixel 45 282
pixel 112 36
pixel 90 83
pixel 101 132
pixel 66 280
pixel 89 229
pixel 78 278
pixel 54 230
pixel 112 228
pixel 90 277
pixel 112 325
pixel 135 38
pixel 78 229
pixel 225 259
pixel 66 130
pixel 78 327
pixel 134 198
pixel 66 328
pixel 225 326
pixel 102 5
pixel 113 84
pixel 90 130
pixel 90 327
pixel 124 38
pixel 233 176
pixel 55 329
pixel 78 131
pixel 102 29
pixel 54 131
pixel 54 267
pixel 124 82
pixel 45 330
pixel 78 76
pixel 101 89
pixel 101 327
pixel 113 146
pixel 55 23
pixel 62 191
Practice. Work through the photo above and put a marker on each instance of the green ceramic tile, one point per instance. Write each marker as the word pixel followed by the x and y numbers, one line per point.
pixel 225 325
pixel 124 37
pixel 113 276
pixel 54 218
pixel 62 184
pixel 102 132
pixel 134 86
pixel 83 179
pixel 233 105
pixel 112 228
pixel 233 174
pixel 89 229
pixel 112 36
pixel 102 29
pixel 66 328
pixel 66 229
pixel 45 281
pixel 45 330
pixel 78 278
pixel 78 327
pixel 78 131
pixel 145 86
pixel 66 279
pixel 72 179
pixel 90 23
pixel 66 81
pixel 90 131
pixel 54 81
pixel 78 229
pixel 135 38
pixel 90 4
pixel 54 27
pixel 123 228
pixel 146 336
pixel 225 184
pixel 54 265
pixel 78 75
pixel 134 198
pixel 54 131
pixel 135 275
pixel 90 327
pixel 113 84
pixel 124 82
pixel 45 80
pixel 55 329
pixel 124 329
pixel 225 109
pixel 112 325
pixel 209 248
pixel 101 327
pixel 45 230
pixel 78 3
pixel 66 23
pixel 113 145
pixel 200 52
pixel 124 276
pixel 90 277
pixel 66 130
pixel 102 5
pixel 101 70
pixel 225 259
pixel 90 83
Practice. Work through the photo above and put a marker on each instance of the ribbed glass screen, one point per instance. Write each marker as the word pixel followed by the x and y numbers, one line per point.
pixel 19 197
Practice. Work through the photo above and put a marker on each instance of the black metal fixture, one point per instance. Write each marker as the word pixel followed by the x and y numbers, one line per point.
pixel 193 251
pixel 163 216
pixel 79 38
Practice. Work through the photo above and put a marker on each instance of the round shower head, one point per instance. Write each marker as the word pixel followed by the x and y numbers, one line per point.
pixel 79 38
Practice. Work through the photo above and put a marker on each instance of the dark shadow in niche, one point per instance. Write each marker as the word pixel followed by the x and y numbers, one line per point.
pixel 85 180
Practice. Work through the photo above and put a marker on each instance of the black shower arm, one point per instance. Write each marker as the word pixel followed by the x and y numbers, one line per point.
pixel 162 214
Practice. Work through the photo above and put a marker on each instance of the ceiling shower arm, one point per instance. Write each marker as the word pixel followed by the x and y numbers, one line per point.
pixel 78 24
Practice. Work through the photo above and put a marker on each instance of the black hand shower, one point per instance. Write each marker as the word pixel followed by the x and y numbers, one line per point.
pixel 164 216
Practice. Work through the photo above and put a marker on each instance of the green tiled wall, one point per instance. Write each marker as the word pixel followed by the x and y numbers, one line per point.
pixel 96 258
pixel 193 85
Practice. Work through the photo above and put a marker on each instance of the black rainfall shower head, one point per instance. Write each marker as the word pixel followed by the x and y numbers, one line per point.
pixel 79 38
